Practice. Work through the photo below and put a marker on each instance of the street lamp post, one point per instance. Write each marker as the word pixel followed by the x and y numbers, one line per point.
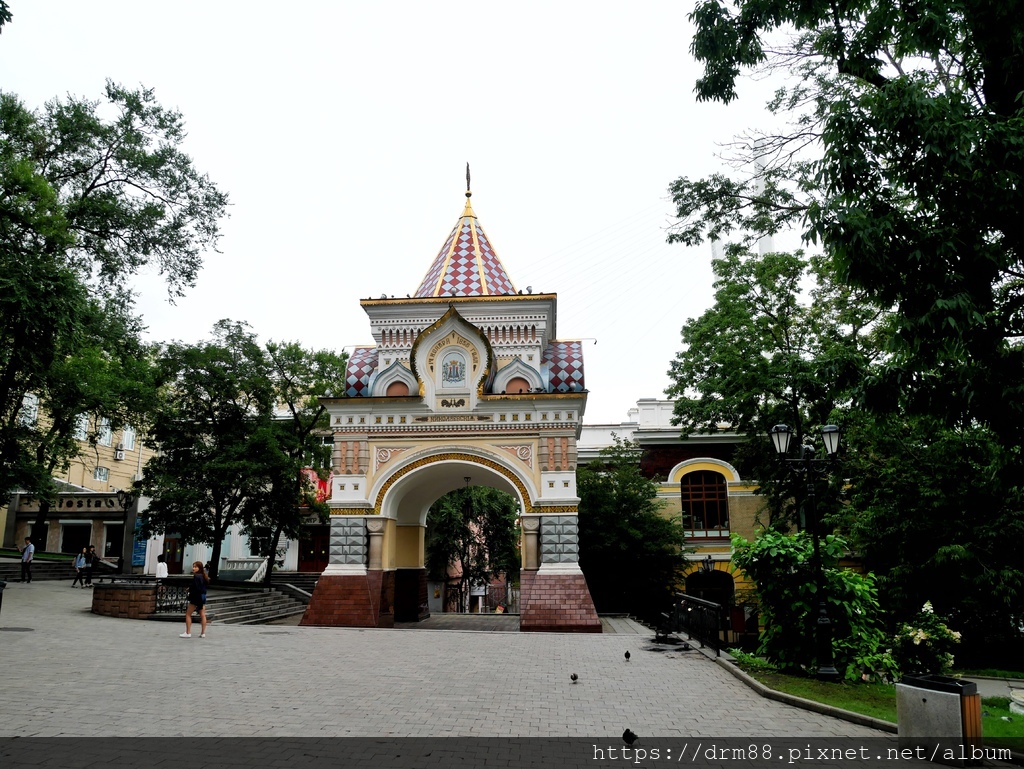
pixel 809 468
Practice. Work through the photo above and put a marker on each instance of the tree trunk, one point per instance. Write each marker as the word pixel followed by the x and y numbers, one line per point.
pixel 39 526
pixel 272 555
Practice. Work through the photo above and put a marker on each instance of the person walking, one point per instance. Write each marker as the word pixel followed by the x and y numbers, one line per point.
pixel 28 553
pixel 80 568
pixel 90 561
pixel 196 599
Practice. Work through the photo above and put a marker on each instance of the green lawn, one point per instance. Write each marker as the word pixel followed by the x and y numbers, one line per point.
pixel 879 700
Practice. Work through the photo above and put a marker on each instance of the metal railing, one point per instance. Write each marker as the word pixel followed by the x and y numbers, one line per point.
pixel 172 596
pixel 699 619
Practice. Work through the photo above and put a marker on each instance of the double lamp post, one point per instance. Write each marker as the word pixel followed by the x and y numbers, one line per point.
pixel 809 468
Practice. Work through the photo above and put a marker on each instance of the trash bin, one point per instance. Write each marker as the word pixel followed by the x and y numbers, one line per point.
pixel 935 710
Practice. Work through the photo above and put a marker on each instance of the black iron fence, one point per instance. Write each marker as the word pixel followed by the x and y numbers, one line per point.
pixel 699 619
pixel 172 596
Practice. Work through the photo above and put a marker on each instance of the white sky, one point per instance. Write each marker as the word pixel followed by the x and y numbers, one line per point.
pixel 341 129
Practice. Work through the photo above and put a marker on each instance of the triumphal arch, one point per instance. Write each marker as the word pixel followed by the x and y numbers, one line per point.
pixel 466 380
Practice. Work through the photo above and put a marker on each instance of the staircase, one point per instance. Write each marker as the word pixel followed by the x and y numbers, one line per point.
pixel 305 581
pixel 10 571
pixel 251 607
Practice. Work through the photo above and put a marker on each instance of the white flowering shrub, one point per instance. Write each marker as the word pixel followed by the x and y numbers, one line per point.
pixel 925 645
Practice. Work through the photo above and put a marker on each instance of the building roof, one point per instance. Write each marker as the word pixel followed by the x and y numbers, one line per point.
pixel 563 361
pixel 361 365
pixel 466 265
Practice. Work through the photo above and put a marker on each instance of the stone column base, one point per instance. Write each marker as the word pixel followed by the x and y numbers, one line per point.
pixel 352 600
pixel 556 603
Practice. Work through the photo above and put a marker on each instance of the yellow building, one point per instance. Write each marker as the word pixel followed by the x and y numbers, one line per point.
pixel 88 510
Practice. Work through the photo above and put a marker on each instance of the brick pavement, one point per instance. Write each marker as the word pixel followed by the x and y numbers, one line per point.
pixel 78 674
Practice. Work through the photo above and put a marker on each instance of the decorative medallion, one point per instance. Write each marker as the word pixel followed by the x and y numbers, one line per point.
pixel 524 453
pixel 383 456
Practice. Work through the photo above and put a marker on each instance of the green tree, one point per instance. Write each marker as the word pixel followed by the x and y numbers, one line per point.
pixel 108 375
pixel 903 159
pixel 782 568
pixel 930 521
pixel 782 343
pixel 237 427
pixel 632 556
pixel 85 202
pixel 299 377
pixel 473 532
pixel 214 435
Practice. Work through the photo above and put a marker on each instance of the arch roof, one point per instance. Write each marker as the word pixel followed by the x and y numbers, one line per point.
pixel 466 265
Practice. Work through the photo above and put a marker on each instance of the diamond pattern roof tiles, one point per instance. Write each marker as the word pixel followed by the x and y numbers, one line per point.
pixel 361 365
pixel 563 362
pixel 466 265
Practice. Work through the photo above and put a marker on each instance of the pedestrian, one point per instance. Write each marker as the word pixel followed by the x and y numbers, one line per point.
pixel 80 568
pixel 161 567
pixel 27 554
pixel 196 599
pixel 91 557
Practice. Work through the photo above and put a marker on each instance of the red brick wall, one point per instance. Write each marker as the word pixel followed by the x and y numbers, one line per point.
pixel 353 600
pixel 127 601
pixel 557 603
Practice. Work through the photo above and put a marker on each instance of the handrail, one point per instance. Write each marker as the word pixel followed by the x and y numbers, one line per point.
pixel 699 619
pixel 260 573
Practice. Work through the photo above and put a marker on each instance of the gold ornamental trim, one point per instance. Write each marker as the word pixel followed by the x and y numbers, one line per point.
pixel 459 457
pixel 353 511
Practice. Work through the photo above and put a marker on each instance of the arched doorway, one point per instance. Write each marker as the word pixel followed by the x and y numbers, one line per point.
pixel 472 552
pixel 406 498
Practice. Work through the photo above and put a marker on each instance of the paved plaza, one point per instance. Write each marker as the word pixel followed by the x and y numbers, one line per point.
pixel 68 672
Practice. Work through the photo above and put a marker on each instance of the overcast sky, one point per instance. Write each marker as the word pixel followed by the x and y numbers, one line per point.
pixel 341 130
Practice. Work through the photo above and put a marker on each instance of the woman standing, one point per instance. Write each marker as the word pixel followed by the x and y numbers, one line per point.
pixel 196 599
pixel 80 567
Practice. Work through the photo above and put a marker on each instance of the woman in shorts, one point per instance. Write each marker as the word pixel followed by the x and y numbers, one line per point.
pixel 196 599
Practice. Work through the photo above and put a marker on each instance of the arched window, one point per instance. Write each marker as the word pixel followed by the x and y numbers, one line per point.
pixel 397 388
pixel 517 385
pixel 705 504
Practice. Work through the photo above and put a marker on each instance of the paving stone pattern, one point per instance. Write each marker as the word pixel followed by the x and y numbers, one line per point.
pixel 78 674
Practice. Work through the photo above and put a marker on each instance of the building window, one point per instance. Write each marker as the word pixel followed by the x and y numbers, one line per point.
pixel 259 541
pixel 106 435
pixel 705 505
pixel 29 410
pixel 128 437
pixel 101 474
pixel 81 427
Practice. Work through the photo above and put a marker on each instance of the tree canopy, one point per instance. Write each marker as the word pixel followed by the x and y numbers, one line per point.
pixel 236 426
pixel 90 192
pixel 472 539
pixel 632 556
pixel 903 159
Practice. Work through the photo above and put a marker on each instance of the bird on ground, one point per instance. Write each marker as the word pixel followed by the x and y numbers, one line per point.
pixel 574 678
pixel 627 655
pixel 629 737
